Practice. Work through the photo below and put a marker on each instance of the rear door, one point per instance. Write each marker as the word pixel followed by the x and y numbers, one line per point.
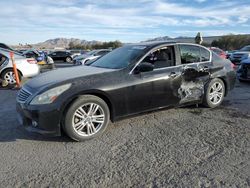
pixel 196 66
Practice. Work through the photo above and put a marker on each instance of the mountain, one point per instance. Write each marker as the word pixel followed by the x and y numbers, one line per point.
pixel 63 43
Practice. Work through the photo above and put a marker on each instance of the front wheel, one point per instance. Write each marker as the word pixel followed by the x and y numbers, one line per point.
pixel 214 93
pixel 86 118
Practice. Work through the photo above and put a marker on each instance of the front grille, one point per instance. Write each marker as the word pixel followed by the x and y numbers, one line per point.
pixel 23 95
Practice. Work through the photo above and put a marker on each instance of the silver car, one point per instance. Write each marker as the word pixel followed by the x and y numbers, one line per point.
pixel 27 67
pixel 92 55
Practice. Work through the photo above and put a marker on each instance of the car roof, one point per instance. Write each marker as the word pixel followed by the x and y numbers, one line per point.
pixel 152 43
pixel 155 44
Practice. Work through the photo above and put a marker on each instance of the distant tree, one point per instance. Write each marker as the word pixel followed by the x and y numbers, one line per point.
pixel 232 42
pixel 71 45
pixel 111 44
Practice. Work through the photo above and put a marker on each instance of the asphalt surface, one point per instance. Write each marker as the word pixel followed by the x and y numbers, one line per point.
pixel 184 147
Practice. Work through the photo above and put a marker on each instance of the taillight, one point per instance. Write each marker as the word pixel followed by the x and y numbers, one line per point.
pixel 233 66
pixel 31 61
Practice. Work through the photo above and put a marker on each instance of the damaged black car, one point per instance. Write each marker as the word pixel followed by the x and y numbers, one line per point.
pixel 133 79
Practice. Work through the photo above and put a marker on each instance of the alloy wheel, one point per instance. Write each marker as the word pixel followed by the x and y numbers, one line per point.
pixel 10 77
pixel 68 59
pixel 216 93
pixel 88 119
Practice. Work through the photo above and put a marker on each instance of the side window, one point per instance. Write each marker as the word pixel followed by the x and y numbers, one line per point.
pixel 102 53
pixel 189 54
pixel 2 59
pixel 193 54
pixel 161 58
pixel 205 55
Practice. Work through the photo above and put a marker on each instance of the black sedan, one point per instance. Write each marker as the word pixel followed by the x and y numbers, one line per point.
pixel 61 56
pixel 133 79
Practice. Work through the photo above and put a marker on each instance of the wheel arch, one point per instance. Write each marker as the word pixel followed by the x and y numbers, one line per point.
pixel 225 84
pixel 96 93
pixel 10 68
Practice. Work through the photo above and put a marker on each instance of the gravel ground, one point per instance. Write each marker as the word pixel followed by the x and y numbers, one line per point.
pixel 184 147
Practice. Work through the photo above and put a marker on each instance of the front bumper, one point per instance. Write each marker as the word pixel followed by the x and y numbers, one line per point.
pixel 40 119
pixel 244 72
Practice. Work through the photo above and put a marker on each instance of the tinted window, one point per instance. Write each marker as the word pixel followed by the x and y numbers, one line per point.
pixel 2 59
pixel 205 55
pixel 161 58
pixel 193 54
pixel 189 54
pixel 246 48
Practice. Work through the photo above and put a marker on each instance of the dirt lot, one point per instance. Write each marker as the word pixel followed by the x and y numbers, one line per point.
pixel 185 147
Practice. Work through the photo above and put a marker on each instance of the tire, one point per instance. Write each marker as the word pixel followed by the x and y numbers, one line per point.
pixel 68 59
pixel 8 76
pixel 51 66
pixel 242 81
pixel 214 93
pixel 79 121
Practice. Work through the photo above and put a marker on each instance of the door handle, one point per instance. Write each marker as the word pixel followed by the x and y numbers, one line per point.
pixel 173 74
pixel 204 69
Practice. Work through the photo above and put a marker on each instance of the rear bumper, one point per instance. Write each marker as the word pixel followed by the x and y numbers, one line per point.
pixel 30 71
pixel 42 120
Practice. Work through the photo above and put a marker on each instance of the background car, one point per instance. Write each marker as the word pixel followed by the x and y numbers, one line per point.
pixel 26 67
pixel 130 80
pixel 219 52
pixel 90 56
pixel 240 55
pixel 43 60
pixel 229 53
pixel 61 56
pixel 4 46
pixel 76 52
pixel 244 70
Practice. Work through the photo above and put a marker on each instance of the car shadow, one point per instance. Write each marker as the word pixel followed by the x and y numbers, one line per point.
pixel 16 132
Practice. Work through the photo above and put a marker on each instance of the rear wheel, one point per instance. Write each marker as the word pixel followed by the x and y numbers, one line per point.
pixel 9 77
pixel 86 118
pixel 214 93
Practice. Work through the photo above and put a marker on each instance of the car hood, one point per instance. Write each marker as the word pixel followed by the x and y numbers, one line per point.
pixel 61 75
pixel 246 61
pixel 241 52
pixel 80 57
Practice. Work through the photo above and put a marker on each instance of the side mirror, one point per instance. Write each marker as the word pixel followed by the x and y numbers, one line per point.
pixel 144 67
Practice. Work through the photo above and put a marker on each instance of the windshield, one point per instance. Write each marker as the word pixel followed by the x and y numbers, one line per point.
pixel 246 48
pixel 91 52
pixel 121 57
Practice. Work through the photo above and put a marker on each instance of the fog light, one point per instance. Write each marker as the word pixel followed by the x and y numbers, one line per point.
pixel 34 123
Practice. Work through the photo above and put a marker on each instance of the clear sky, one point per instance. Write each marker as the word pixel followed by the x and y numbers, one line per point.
pixel 32 21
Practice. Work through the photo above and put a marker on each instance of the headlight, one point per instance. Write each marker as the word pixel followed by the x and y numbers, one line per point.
pixel 49 96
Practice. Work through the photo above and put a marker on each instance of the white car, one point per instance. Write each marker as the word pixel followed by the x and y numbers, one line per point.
pixel 92 55
pixel 27 67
